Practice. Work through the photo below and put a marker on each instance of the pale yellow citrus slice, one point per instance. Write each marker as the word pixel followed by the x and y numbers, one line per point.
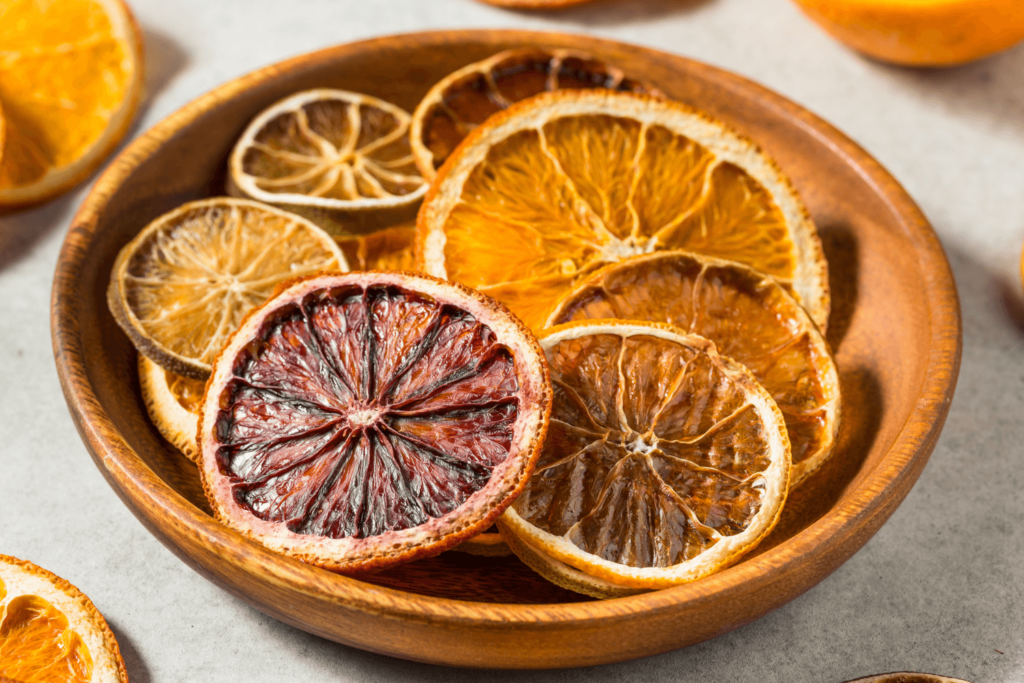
pixel 172 402
pixel 554 187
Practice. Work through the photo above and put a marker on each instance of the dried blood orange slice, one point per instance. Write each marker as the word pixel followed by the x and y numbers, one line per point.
pixel 464 99
pixel 664 461
pixel 749 317
pixel 362 420
pixel 387 249
pixel 172 402
pixel 555 187
pixel 51 632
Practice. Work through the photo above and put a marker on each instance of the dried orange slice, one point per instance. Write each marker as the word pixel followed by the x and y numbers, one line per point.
pixel 464 99
pixel 51 632
pixel 361 420
pixel 340 158
pixel 387 249
pixel 185 282
pixel 71 77
pixel 749 317
pixel 172 402
pixel 664 461
pixel 554 187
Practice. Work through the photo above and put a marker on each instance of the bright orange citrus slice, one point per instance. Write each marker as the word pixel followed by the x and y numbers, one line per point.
pixel 748 316
pixel 664 461
pixel 554 187
pixel 360 420
pixel 172 402
pixel 51 632
pixel 71 78
pixel 387 249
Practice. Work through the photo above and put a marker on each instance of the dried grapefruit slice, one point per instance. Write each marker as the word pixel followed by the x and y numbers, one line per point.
pixel 386 249
pixel 340 158
pixel 664 461
pixel 71 77
pixel 51 632
pixel 554 187
pixel 185 282
pixel 362 420
pixel 749 317
pixel 464 99
pixel 172 402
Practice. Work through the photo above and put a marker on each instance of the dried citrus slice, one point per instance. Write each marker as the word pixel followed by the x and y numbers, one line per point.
pixel 908 677
pixel 340 158
pixel 185 282
pixel 387 249
pixel 464 99
pixel 71 81
pixel 749 317
pixel 172 402
pixel 664 461
pixel 547 191
pixel 362 420
pixel 51 632
pixel 535 4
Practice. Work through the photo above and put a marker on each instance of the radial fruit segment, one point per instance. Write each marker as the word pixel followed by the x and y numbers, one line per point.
pixel 664 461
pixel 464 99
pixel 357 421
pixel 551 189
pixel 50 632
pixel 749 317
pixel 387 249
pixel 173 403
pixel 188 278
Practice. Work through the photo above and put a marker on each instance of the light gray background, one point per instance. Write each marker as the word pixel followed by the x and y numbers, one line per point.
pixel 939 589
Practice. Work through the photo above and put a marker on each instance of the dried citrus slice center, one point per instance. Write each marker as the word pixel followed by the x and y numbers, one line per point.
pixel 664 461
pixel 187 280
pixel 358 420
pixel 555 187
pixel 748 316
pixel 464 99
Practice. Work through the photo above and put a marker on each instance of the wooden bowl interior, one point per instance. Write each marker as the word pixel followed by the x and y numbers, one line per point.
pixel 877 326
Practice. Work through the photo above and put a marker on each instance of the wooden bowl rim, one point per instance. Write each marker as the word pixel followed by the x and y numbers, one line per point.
pixel 134 480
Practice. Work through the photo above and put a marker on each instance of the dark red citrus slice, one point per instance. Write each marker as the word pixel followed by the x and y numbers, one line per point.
pixel 361 420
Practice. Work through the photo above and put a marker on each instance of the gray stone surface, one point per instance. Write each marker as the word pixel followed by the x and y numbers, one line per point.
pixel 940 588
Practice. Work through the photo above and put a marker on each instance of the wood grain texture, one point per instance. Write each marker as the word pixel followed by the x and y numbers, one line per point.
pixel 895 330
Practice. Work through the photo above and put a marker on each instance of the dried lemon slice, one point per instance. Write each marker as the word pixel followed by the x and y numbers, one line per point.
pixel 341 159
pixel 664 461
pixel 172 402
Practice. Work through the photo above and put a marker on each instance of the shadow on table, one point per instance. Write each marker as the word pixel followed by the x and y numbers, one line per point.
pixel 137 670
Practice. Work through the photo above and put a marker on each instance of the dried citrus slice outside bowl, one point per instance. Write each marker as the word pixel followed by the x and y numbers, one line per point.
pixel 172 402
pixel 464 99
pixel 185 282
pixel 749 317
pixel 71 80
pixel 341 159
pixel 356 421
pixel 51 632
pixel 664 461
pixel 554 187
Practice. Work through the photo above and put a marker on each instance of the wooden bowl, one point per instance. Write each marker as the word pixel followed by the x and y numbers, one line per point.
pixel 895 327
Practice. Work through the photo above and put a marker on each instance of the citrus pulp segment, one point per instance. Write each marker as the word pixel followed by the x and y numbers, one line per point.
pixel 664 461
pixel 464 99
pixel 185 282
pixel 749 317
pixel 71 78
pixel 51 632
pixel 362 420
pixel 334 156
pixel 386 249
pixel 554 187
pixel 172 402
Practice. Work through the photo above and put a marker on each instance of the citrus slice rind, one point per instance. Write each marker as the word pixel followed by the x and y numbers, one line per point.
pixel 172 402
pixel 184 283
pixel 486 544
pixel 330 155
pixel 96 46
pixel 747 315
pixel 647 417
pixel 51 632
pixel 464 99
pixel 554 187
pixel 332 377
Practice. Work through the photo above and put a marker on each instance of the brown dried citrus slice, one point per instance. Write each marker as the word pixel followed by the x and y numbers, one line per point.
pixel 51 632
pixel 554 187
pixel 172 402
pixel 664 461
pixel 362 420
pixel 749 317
pixel 387 249
pixel 337 157
pixel 188 278
pixel 464 99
